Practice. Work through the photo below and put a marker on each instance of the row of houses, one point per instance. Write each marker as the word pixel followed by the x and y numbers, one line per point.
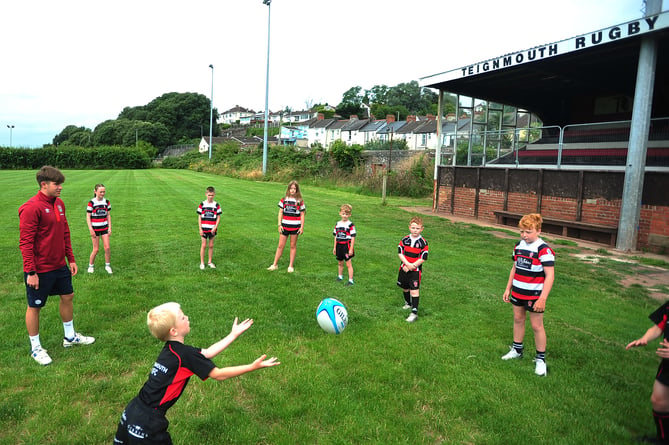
pixel 243 116
pixel 419 132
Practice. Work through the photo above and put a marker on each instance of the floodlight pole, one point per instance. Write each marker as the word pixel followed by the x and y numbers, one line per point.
pixel 264 141
pixel 11 127
pixel 211 111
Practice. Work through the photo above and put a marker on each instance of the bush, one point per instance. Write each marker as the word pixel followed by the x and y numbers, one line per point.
pixel 106 157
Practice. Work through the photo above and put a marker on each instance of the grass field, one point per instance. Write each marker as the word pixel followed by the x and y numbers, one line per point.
pixel 382 381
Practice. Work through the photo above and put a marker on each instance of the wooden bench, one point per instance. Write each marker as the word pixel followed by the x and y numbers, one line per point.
pixel 573 229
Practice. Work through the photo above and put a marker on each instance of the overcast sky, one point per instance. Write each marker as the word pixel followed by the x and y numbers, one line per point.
pixel 80 63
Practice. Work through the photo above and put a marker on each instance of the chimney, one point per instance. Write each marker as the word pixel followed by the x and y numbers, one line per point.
pixel 321 116
pixel 390 118
pixel 354 117
pixel 411 118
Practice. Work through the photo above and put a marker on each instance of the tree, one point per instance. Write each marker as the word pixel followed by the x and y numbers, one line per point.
pixel 73 135
pixel 352 96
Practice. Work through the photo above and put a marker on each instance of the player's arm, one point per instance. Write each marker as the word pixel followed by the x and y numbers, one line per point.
pixel 280 219
pixel 651 334
pixel 549 278
pixel 90 223
pixel 351 245
pixel 108 223
pixel 234 371
pixel 236 331
pixel 301 231
pixel 509 284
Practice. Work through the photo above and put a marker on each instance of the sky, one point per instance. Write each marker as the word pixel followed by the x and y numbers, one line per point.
pixel 80 63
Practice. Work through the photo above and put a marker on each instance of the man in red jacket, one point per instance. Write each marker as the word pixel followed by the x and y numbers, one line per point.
pixel 45 245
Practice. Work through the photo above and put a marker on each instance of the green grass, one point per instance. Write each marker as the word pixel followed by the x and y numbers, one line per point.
pixel 382 381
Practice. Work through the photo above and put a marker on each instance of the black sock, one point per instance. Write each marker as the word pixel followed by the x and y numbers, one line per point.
pixel 661 425
pixel 541 356
pixel 407 297
pixel 518 347
pixel 414 304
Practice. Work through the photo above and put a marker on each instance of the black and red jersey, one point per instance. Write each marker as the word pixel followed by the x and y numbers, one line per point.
pixel 209 212
pixel 292 209
pixel 99 211
pixel 344 231
pixel 413 249
pixel 170 374
pixel 530 259
pixel 660 317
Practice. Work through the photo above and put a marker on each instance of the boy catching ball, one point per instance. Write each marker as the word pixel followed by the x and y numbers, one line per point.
pixel 143 420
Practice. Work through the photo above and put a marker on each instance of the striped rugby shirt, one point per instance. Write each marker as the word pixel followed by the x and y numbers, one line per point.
pixel 208 212
pixel 99 211
pixel 291 220
pixel 530 259
pixel 413 249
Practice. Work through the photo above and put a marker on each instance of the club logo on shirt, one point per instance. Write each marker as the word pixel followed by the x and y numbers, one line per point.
pixel 523 263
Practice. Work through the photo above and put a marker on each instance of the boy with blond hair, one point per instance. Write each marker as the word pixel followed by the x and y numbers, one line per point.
pixel 143 420
pixel 344 239
pixel 530 281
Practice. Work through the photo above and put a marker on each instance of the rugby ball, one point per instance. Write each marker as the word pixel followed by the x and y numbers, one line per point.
pixel 332 316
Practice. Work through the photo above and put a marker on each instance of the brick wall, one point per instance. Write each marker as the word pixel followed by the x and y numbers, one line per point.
pixel 598 193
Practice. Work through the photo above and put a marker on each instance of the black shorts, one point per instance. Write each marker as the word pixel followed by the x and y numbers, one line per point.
pixel 662 375
pixel 101 232
pixel 56 282
pixel 140 424
pixel 288 232
pixel 342 251
pixel 409 280
pixel 527 304
pixel 208 235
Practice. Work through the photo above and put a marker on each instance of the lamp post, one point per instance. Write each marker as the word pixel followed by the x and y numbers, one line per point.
pixel 264 141
pixel 11 127
pixel 211 111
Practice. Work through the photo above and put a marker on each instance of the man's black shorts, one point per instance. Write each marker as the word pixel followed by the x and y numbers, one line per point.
pixel 56 282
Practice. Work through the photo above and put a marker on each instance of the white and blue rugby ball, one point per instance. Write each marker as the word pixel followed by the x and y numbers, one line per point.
pixel 332 316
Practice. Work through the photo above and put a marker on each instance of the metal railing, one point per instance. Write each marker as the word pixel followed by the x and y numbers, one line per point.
pixel 591 144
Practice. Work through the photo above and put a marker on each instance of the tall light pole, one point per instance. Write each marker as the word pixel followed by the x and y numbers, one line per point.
pixel 211 111
pixel 264 141
pixel 11 127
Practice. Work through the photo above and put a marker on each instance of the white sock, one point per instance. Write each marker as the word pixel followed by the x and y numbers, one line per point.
pixel 34 342
pixel 341 277
pixel 107 264
pixel 68 327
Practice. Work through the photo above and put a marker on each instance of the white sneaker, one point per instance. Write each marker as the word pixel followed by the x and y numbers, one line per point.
pixel 272 267
pixel 212 265
pixel 91 269
pixel 412 317
pixel 108 269
pixel 291 270
pixel 201 266
pixel 540 367
pixel 78 340
pixel 406 306
pixel 41 356
pixel 512 354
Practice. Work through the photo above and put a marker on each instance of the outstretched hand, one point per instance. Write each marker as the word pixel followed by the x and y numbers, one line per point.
pixel 639 342
pixel 264 362
pixel 238 328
